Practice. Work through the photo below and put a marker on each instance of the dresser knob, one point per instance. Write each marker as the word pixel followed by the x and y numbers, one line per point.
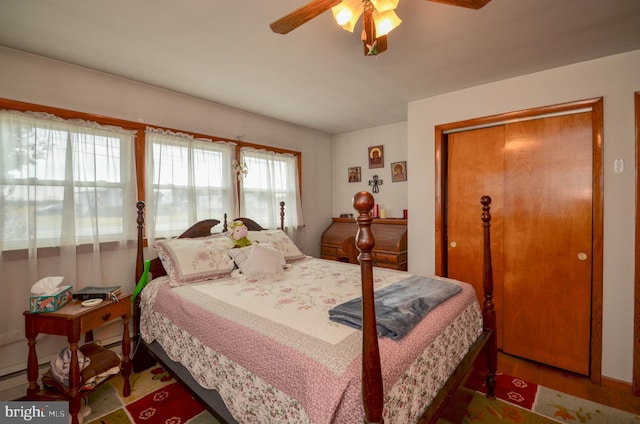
pixel 106 316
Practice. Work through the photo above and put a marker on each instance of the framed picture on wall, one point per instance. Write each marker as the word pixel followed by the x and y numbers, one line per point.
pixel 398 171
pixel 376 157
pixel 354 174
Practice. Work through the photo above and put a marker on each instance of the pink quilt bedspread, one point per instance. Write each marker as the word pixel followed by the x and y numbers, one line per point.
pixel 268 346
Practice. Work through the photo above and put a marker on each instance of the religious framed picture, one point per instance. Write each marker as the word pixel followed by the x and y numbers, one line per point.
pixel 376 157
pixel 354 174
pixel 398 171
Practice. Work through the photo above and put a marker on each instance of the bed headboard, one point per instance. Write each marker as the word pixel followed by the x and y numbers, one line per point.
pixel 199 229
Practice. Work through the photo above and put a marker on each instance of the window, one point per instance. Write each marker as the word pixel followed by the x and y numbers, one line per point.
pixel 270 179
pixel 63 182
pixel 188 180
pixel 67 182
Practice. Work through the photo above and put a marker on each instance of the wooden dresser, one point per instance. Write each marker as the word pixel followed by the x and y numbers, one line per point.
pixel 390 251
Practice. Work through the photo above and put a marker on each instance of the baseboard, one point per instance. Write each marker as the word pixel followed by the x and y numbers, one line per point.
pixel 618 385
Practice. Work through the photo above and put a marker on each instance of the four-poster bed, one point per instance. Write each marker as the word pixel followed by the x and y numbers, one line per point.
pixel 254 341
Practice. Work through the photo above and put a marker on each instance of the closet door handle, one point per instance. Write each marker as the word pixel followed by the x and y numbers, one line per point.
pixel 582 256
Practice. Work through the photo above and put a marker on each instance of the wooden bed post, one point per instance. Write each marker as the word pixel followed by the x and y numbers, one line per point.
pixel 139 264
pixel 282 216
pixel 488 311
pixel 372 390
pixel 139 257
pixel 141 358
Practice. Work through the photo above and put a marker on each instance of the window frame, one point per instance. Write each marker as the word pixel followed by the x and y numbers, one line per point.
pixel 140 140
pixel 82 141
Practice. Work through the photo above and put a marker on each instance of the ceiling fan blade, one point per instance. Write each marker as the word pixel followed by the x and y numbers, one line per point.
pixel 298 17
pixel 471 4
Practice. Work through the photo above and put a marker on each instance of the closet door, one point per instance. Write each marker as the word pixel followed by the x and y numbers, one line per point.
pixel 548 240
pixel 539 175
pixel 476 168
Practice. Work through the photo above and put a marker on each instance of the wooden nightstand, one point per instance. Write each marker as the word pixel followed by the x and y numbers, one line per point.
pixel 72 321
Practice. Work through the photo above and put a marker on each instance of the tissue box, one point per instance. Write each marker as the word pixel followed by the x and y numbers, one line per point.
pixel 51 302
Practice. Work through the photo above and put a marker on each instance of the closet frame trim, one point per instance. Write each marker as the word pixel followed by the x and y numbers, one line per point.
pixel 595 106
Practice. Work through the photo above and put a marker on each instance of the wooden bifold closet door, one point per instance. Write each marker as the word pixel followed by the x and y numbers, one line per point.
pixel 539 173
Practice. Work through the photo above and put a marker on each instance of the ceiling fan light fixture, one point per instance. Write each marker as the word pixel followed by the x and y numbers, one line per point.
pixel 347 13
pixel 385 5
pixel 378 20
pixel 385 22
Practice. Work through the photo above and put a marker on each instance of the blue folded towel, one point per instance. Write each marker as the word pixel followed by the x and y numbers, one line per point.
pixel 61 365
pixel 399 307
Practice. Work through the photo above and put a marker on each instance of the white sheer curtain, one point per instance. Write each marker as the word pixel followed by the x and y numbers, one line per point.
pixel 271 178
pixel 188 180
pixel 64 184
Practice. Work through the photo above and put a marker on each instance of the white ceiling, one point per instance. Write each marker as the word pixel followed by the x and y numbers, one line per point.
pixel 317 75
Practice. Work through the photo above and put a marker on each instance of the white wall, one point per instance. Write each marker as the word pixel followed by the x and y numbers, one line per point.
pixel 33 79
pixel 351 149
pixel 614 78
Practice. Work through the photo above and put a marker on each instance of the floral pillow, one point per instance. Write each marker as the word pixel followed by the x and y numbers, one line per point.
pixel 188 260
pixel 258 259
pixel 280 240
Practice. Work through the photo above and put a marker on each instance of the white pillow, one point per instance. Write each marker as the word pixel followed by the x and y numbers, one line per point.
pixel 280 240
pixel 188 260
pixel 264 260
pixel 258 259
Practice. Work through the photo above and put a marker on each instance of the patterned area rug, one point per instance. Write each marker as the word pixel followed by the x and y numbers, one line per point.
pixel 520 401
pixel 157 398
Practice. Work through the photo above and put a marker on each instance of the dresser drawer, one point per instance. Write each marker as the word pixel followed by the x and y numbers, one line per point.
pixel 329 251
pixel 385 258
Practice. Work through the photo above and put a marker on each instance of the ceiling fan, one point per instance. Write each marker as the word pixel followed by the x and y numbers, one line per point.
pixel 378 18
